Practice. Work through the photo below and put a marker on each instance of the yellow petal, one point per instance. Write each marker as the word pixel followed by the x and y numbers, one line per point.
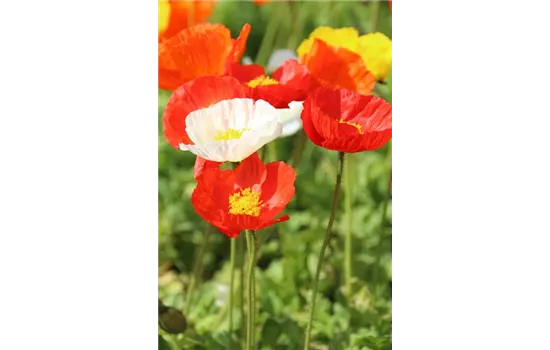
pixel 164 16
pixel 375 49
pixel 336 37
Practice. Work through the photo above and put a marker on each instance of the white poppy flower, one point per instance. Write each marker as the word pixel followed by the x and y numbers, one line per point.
pixel 232 130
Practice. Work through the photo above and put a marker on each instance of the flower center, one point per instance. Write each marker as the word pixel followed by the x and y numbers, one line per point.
pixel 230 134
pixel 245 202
pixel 262 80
pixel 355 125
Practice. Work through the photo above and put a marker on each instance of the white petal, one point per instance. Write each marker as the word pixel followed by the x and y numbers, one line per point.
pixel 247 60
pixel 291 127
pixel 261 118
pixel 204 124
pixel 278 57
pixel 293 112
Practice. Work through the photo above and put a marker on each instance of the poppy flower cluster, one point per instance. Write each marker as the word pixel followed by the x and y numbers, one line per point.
pixel 224 111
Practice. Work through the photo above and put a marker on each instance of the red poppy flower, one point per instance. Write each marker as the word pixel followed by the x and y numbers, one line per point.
pixel 194 95
pixel 204 49
pixel 290 82
pixel 346 121
pixel 338 68
pixel 390 5
pixel 247 198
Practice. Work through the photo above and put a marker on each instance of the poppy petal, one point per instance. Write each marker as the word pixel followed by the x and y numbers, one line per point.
pixel 338 68
pixel 239 45
pixel 194 95
pixel 201 164
pixel 278 188
pixel 263 225
pixel 296 75
pixel 210 196
pixel 244 72
pixel 193 52
pixel 251 173
pixel 277 95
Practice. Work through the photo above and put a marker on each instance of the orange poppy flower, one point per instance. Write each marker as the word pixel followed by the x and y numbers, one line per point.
pixel 204 49
pixel 346 121
pixel 182 14
pixel 338 68
pixel 290 82
pixel 247 198
pixel 194 95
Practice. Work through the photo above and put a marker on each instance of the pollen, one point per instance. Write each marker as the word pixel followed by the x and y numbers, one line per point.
pixel 245 202
pixel 262 80
pixel 355 125
pixel 230 134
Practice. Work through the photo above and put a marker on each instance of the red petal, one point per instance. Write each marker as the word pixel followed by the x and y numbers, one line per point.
pixel 251 172
pixel 338 68
pixel 210 197
pixel 296 75
pixel 272 222
pixel 277 190
pixel 196 94
pixel 244 72
pixel 321 114
pixel 201 164
pixel 278 95
pixel 196 51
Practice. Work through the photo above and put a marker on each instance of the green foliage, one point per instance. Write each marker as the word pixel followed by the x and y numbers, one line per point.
pixel 289 251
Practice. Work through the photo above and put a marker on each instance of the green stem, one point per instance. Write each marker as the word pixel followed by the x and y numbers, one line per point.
pixel 326 241
pixel 232 288
pixel 348 266
pixel 197 271
pixel 262 153
pixel 272 151
pixel 298 149
pixel 241 289
pixel 375 15
pixel 270 32
pixel 250 287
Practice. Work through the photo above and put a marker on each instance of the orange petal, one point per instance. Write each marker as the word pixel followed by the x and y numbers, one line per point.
pixel 193 52
pixel 338 68
pixel 240 44
pixel 185 14
pixel 196 94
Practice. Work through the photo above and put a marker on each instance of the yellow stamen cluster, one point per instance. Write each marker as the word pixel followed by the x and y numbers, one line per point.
pixel 262 80
pixel 230 134
pixel 245 202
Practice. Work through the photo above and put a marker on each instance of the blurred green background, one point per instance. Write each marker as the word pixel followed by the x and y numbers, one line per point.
pixel 289 251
